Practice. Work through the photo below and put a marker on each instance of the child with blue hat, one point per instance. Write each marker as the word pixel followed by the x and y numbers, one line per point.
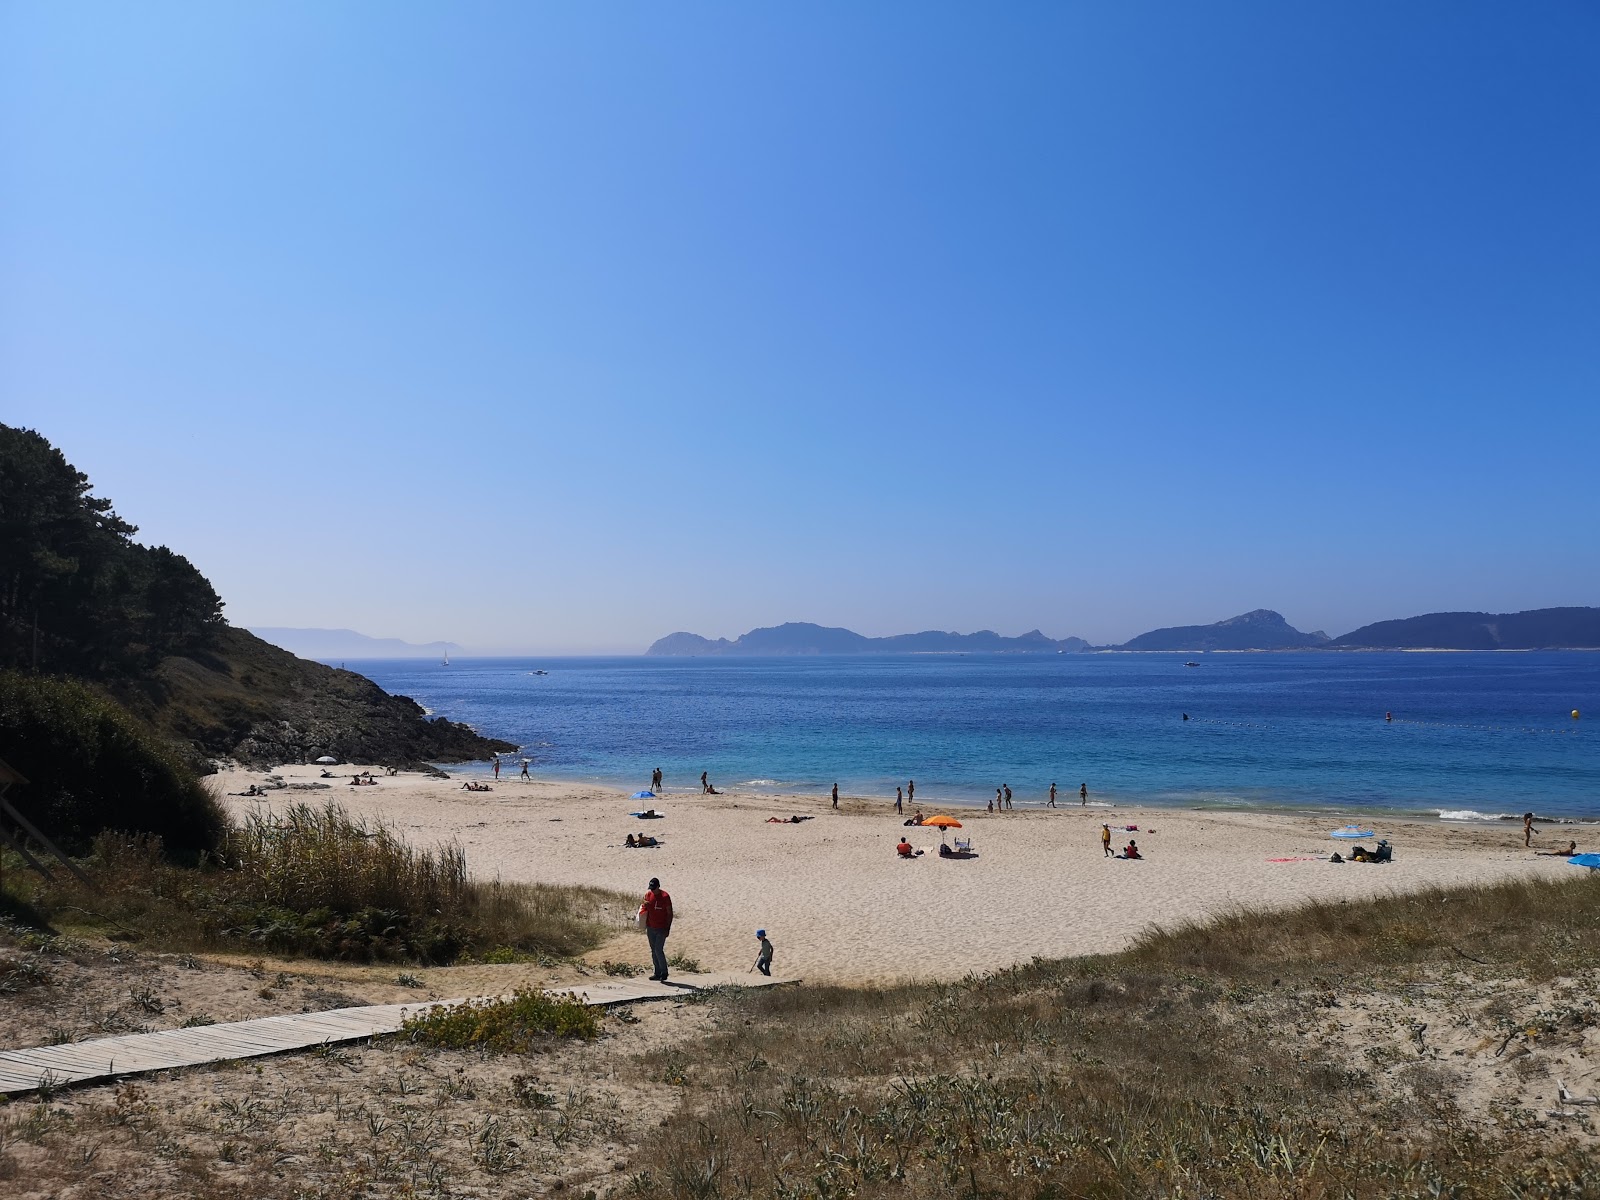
pixel 763 961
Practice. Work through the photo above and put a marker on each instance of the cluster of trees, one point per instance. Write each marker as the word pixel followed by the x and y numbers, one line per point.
pixel 78 595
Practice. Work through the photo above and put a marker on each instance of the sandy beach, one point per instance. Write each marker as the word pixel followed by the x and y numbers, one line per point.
pixel 841 907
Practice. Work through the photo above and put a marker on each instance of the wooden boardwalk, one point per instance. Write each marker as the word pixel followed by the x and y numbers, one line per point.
pixel 133 1054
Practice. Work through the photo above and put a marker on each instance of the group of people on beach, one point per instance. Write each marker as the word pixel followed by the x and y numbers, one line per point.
pixel 524 775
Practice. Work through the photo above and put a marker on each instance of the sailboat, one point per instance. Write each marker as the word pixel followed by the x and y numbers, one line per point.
pixel 446 656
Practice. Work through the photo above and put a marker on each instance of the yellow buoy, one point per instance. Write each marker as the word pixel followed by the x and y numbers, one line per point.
pixel 1574 714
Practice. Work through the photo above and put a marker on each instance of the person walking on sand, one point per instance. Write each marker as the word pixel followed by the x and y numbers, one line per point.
pixel 1105 841
pixel 525 774
pixel 911 792
pixel 704 786
pixel 1083 794
pixel 1052 803
pixel 763 961
pixel 1008 797
pixel 497 767
pixel 1527 829
pixel 836 795
pixel 899 800
pixel 656 913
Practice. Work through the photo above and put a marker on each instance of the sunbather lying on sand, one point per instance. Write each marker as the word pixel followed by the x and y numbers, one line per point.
pixel 1572 848
pixel 644 839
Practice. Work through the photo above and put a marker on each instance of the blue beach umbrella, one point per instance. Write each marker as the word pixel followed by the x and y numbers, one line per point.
pixel 642 796
pixel 1351 832
pixel 1592 861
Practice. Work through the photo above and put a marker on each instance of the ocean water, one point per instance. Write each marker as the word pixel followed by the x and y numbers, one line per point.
pixel 1473 734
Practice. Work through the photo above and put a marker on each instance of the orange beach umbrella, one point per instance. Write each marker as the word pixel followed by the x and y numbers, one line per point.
pixel 942 822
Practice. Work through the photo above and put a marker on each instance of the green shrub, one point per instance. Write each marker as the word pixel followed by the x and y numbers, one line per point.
pixel 511 1026
pixel 91 766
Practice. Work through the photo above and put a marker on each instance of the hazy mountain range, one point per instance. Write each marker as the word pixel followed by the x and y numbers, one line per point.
pixel 1262 629
pixel 347 643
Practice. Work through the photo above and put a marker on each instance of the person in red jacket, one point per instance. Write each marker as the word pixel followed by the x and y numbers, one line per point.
pixel 656 913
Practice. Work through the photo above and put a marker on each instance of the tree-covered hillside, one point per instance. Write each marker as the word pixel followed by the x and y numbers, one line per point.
pixel 78 595
pixel 80 598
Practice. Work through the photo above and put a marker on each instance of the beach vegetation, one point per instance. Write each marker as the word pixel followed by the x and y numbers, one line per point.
pixel 518 1024
pixel 92 766
pixel 317 882
pixel 1302 1053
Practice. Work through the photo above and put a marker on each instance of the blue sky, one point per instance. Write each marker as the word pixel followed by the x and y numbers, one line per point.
pixel 561 327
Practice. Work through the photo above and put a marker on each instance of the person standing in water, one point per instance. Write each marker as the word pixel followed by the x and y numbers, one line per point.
pixel 497 766
pixel 836 795
pixel 1008 797
pixel 911 792
pixel 655 780
pixel 899 797
pixel 999 803
pixel 704 786
pixel 525 774
pixel 1083 794
pixel 1052 793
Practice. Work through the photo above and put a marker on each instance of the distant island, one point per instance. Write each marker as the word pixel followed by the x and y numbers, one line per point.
pixel 1536 629
pixel 1261 629
pixel 347 643
pixel 802 637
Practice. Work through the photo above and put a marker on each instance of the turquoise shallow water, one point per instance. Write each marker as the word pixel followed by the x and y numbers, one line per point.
pixel 1485 734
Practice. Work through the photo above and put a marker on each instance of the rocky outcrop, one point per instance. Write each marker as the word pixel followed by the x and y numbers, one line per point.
pixel 254 702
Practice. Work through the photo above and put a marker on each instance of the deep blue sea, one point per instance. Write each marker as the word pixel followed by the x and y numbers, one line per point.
pixel 1487 734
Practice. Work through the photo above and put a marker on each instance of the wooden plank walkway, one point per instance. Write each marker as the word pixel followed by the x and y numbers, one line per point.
pixel 133 1054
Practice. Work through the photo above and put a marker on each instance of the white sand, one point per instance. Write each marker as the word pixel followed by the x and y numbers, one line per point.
pixel 839 905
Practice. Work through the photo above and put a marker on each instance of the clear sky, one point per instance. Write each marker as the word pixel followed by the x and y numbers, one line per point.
pixel 563 326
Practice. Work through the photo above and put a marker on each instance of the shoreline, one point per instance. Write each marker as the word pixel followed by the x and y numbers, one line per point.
pixel 479 770
pixel 843 908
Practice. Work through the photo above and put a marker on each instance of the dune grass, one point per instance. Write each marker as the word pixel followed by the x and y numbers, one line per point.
pixel 318 882
pixel 516 1024
pixel 1189 1066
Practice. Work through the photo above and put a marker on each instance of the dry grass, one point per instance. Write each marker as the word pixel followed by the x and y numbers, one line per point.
pixel 1535 929
pixel 1322 1052
pixel 318 882
pixel 1196 1064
